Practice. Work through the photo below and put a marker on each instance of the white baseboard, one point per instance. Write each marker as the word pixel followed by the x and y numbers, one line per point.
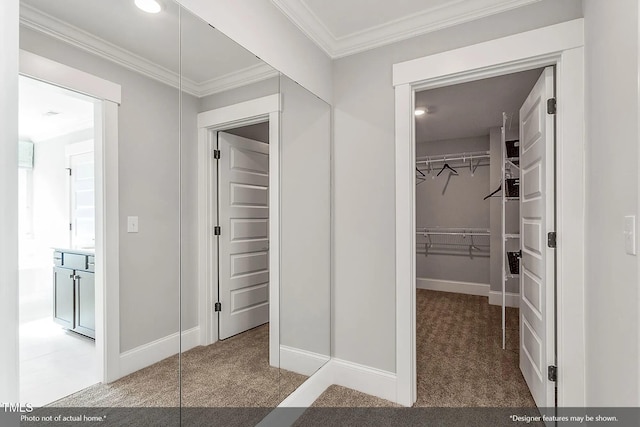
pixel 291 408
pixel 511 299
pixel 340 372
pixel 469 288
pixel 365 379
pixel 301 361
pixel 311 389
pixel 147 354
pixel 358 377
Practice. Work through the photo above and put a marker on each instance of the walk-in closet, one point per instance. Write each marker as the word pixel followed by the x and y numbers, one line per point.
pixel 468 249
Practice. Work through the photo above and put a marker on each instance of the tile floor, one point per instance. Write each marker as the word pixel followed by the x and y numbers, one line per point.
pixel 54 363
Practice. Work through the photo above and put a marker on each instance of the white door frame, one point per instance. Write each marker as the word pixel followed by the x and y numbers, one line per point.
pixel 107 274
pixel 245 113
pixel 561 45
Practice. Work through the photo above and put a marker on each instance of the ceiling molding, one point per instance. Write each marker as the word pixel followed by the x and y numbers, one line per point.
pixel 36 20
pixel 453 13
pixel 308 22
pixel 252 74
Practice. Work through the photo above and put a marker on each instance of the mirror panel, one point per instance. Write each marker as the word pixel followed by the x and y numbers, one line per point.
pixel 270 193
pixel 139 331
pixel 305 297
pixel 228 95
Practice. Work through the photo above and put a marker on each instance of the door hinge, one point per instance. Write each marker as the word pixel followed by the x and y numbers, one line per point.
pixel 69 170
pixel 551 106
pixel 217 306
pixel 70 227
pixel 551 239
pixel 216 154
pixel 552 373
pixel 216 230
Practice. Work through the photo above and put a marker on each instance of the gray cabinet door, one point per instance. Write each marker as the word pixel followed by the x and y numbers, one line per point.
pixel 63 301
pixel 85 303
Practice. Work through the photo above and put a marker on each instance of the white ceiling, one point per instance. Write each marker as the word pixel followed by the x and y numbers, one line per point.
pixel 149 43
pixel 471 109
pixel 345 27
pixel 47 111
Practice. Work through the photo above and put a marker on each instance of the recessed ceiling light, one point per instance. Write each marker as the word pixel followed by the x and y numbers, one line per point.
pixel 149 6
pixel 420 111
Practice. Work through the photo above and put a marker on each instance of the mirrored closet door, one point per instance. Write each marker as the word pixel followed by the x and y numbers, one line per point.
pixel 230 113
pixel 99 133
pixel 175 214
pixel 305 269
pixel 255 252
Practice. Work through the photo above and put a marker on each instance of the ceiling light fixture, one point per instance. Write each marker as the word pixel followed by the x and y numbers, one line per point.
pixel 149 6
pixel 420 111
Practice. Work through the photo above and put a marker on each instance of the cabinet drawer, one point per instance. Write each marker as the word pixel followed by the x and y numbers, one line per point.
pixel 75 261
pixel 57 259
pixel 91 263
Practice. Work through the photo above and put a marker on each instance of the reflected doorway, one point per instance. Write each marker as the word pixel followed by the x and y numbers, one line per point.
pixel 56 242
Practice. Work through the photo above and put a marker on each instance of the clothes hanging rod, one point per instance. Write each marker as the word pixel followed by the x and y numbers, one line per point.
pixel 453 232
pixel 459 233
pixel 454 157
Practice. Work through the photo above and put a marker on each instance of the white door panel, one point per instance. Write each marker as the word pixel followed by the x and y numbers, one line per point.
pixel 537 279
pixel 243 194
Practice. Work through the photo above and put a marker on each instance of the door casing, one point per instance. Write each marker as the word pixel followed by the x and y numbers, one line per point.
pixel 209 123
pixel 107 285
pixel 561 45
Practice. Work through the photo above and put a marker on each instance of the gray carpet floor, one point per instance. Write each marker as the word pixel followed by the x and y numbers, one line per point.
pixel 230 373
pixel 460 360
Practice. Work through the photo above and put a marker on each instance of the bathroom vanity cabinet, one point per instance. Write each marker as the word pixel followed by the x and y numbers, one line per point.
pixel 74 290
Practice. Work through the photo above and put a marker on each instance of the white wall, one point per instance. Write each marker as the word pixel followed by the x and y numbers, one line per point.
pixel 611 288
pixel 260 27
pixel 8 200
pixel 364 328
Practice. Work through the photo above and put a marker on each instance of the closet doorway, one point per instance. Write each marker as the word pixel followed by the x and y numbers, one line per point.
pixel 243 213
pixel 484 198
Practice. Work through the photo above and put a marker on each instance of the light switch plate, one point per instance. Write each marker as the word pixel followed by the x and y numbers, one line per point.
pixel 630 234
pixel 132 224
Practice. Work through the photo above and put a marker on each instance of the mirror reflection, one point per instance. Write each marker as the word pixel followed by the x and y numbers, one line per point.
pixel 102 196
pixel 253 308
pixel 306 231
pixel 178 188
pixel 230 114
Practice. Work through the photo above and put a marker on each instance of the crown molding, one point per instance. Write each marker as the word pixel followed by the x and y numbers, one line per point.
pixel 425 21
pixel 37 20
pixel 243 77
pixel 308 22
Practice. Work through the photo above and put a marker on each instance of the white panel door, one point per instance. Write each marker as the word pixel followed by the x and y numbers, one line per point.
pixel 243 203
pixel 537 219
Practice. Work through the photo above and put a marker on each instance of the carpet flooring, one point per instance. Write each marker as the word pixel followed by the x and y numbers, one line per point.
pixel 460 360
pixel 230 373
